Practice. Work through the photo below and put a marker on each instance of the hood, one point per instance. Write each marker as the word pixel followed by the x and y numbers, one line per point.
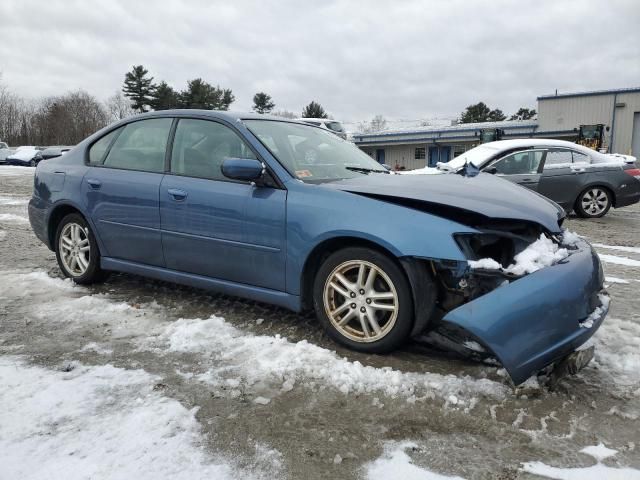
pixel 24 154
pixel 484 194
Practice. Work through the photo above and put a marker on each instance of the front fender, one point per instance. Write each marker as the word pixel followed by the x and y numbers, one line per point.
pixel 316 214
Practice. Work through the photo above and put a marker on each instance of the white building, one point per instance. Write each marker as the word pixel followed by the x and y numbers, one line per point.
pixel 611 117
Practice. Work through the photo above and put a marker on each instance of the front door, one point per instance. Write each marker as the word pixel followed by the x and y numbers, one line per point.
pixel 216 227
pixel 380 155
pixel 522 167
pixel 445 154
pixel 434 156
pixel 121 190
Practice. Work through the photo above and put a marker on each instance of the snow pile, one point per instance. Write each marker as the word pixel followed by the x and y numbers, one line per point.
pixel 594 472
pixel 570 238
pixel 14 200
pixel 101 423
pixel 541 253
pixel 395 463
pixel 618 350
pixel 597 312
pixel 260 359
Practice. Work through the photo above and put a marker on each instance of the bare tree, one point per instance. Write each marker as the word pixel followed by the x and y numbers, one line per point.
pixel 118 107
pixel 376 124
pixel 284 114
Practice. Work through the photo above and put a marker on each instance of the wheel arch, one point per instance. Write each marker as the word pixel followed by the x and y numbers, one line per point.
pixel 609 188
pixel 58 212
pixel 322 250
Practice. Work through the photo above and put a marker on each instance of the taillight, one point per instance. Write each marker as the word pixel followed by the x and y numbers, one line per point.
pixel 634 172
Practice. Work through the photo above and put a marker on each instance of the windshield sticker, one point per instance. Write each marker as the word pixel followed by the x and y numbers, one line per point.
pixel 303 173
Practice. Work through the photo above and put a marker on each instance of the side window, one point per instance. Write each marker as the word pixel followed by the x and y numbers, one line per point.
pixel 98 149
pixel 141 146
pixel 580 157
pixel 200 147
pixel 558 157
pixel 519 163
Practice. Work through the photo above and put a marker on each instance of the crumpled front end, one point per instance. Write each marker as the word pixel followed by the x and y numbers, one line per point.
pixel 532 319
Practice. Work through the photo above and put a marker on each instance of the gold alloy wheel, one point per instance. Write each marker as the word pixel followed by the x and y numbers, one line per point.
pixel 361 301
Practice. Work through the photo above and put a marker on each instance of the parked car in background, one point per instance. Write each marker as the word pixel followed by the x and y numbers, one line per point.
pixel 576 177
pixel 286 213
pixel 55 151
pixel 4 153
pixel 26 156
pixel 3 146
pixel 333 126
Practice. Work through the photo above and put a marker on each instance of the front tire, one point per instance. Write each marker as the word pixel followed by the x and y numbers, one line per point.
pixel 32 163
pixel 363 300
pixel 594 202
pixel 77 250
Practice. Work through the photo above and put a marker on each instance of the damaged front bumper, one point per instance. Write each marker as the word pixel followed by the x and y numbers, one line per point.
pixel 539 318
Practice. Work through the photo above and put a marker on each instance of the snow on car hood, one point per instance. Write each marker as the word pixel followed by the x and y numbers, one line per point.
pixel 24 154
pixel 485 194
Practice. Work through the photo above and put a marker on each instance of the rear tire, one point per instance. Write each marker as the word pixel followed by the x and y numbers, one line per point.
pixel 593 202
pixel 363 300
pixel 77 251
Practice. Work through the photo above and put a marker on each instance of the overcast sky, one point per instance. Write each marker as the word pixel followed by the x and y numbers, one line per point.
pixel 402 59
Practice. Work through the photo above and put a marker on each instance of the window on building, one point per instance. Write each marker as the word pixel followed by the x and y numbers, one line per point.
pixel 200 147
pixel 141 146
pixel 458 150
pixel 421 153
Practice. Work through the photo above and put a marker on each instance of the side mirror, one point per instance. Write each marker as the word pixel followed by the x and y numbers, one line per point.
pixel 242 169
pixel 491 170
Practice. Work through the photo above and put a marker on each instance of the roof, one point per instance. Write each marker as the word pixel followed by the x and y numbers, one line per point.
pixel 505 145
pixel 230 116
pixel 461 127
pixel 590 93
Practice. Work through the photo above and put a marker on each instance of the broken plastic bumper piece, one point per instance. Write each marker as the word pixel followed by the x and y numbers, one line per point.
pixel 539 318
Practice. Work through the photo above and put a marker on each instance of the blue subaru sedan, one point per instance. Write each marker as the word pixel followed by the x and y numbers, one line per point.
pixel 287 213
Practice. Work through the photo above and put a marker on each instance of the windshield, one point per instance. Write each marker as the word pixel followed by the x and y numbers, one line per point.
pixel 476 155
pixel 311 154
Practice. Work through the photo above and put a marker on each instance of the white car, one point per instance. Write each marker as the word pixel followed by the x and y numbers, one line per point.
pixel 332 125
pixel 27 156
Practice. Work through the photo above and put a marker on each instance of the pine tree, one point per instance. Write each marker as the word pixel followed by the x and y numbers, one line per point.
pixel 314 110
pixel 139 88
pixel 165 97
pixel 475 113
pixel 524 114
pixel 262 103
pixel 200 94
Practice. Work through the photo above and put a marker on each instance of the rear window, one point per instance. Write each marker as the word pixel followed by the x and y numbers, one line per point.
pixel 141 146
pixel 99 149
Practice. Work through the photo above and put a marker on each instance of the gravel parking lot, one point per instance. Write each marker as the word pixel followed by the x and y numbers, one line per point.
pixel 213 384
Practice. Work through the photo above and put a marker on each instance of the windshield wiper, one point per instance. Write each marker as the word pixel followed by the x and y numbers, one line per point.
pixel 366 170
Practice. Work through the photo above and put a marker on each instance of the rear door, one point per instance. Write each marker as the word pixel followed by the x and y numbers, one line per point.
pixel 122 186
pixel 563 175
pixel 214 226
pixel 523 167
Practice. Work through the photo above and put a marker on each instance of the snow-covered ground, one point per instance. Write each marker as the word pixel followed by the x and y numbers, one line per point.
pixel 101 422
pixel 135 379
pixel 11 170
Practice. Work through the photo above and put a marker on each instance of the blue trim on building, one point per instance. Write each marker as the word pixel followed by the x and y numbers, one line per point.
pixel 446 140
pixel 591 93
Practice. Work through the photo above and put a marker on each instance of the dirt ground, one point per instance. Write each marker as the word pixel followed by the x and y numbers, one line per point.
pixel 465 418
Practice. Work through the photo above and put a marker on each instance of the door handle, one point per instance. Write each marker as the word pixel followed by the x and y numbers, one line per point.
pixel 95 184
pixel 528 180
pixel 177 194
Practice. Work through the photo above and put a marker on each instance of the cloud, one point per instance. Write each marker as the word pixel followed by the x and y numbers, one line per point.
pixel 406 59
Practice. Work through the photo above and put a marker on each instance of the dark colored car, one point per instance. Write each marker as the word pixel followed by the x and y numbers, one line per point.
pixel 25 156
pixel 574 176
pixel 53 152
pixel 290 214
